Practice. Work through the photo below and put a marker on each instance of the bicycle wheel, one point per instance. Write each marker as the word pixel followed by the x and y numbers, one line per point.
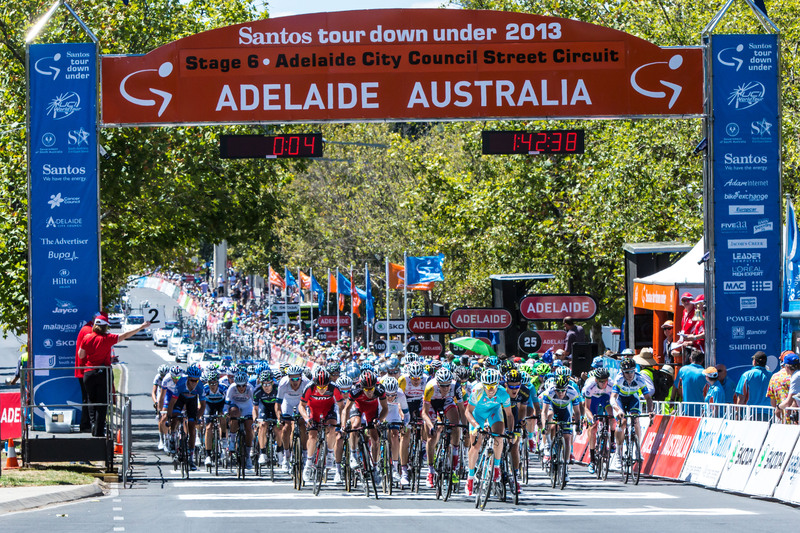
pixel 564 463
pixel 524 457
pixel 438 468
pixel 501 486
pixel 297 453
pixel 241 453
pixel 184 455
pixel 366 467
pixel 417 462
pixel 255 455
pixel 388 477
pixel 271 454
pixel 636 465
pixel 346 470
pixel 554 457
pixel 478 477
pixel 486 481
pixel 626 458
pixel 319 463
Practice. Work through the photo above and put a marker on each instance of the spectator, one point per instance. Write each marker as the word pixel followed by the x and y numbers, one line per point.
pixel 727 384
pixel 691 381
pixel 752 387
pixel 666 347
pixel 85 425
pixel 646 364
pixel 715 394
pixel 95 351
pixel 575 334
pixel 664 380
pixel 780 383
pixel 688 332
pixel 22 362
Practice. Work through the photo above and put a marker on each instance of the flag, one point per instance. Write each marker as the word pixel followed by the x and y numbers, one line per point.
pixel 369 298
pixel 341 302
pixel 305 280
pixel 397 277
pixel 290 281
pixel 343 286
pixel 316 287
pixel 355 298
pixel 424 269
pixel 791 258
pixel 275 279
pixel 332 286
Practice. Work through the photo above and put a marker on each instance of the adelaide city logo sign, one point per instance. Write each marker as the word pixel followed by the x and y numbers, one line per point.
pixel 480 318
pixel 558 306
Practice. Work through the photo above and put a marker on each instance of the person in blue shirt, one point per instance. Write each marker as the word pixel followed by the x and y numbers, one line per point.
pixel 691 382
pixel 726 382
pixel 752 387
pixel 715 394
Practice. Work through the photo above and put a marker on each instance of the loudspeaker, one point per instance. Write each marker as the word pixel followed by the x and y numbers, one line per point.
pixel 582 355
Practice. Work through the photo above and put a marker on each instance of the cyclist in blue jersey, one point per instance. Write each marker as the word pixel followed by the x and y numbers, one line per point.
pixel 188 392
pixel 488 402
pixel 628 386
pixel 562 405
pixel 215 403
pixel 597 394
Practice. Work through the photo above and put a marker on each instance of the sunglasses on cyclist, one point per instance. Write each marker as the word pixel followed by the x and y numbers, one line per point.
pixel 561 391
pixel 490 387
pixel 369 389
pixel 628 371
pixel 192 380
pixel 295 378
pixel 513 387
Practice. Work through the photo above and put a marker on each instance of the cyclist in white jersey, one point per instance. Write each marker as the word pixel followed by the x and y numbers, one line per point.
pixel 628 386
pixel 397 420
pixel 562 404
pixel 154 395
pixel 239 404
pixel 290 391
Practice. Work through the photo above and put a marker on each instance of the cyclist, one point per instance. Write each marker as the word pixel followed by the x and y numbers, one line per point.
pixel 397 420
pixel 164 398
pixel 523 404
pixel 442 400
pixel 413 386
pixel 239 405
pixel 154 395
pixel 290 390
pixel 317 407
pixel 188 392
pixel 597 394
pixel 265 400
pixel 344 384
pixel 215 405
pixel 367 399
pixel 628 386
pixel 488 402
pixel 557 400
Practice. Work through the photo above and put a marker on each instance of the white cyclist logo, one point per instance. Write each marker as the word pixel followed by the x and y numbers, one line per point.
pixel 732 61
pixel 163 71
pixel 48 70
pixel 674 63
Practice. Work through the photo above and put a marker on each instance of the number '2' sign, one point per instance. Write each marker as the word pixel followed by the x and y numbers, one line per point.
pixel 152 314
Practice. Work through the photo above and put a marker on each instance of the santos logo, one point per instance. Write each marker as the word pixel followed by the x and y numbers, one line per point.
pixel 734 286
pixel 749 159
pixel 69 170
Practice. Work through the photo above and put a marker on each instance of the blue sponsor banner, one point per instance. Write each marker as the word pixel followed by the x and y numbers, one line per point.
pixel 64 239
pixel 747 198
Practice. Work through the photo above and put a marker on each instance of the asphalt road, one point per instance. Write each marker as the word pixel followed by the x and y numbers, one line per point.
pixel 158 498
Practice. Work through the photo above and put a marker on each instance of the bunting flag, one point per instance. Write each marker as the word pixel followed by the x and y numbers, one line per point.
pixel 316 287
pixel 290 281
pixel 341 302
pixel 332 285
pixel 791 258
pixel 369 298
pixel 424 269
pixel 343 285
pixel 305 280
pixel 397 277
pixel 275 279
pixel 356 299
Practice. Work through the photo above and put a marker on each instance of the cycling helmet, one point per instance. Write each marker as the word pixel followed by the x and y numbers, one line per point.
pixel 393 362
pixel 334 368
pixel 562 382
pixel 563 371
pixel 307 373
pixel 368 379
pixel 436 365
pixel 492 360
pixel 294 370
pixel 415 370
pixel 366 366
pixel 283 366
pixel 213 375
pixel 411 357
pixel 526 380
pixel 265 376
pixel 344 383
pixel 507 365
pixel 490 376
pixel 162 370
pixel 391 385
pixel 462 373
pixel 514 376
pixel 627 364
pixel 176 371
pixel 543 369
pixel 601 374
pixel 547 357
pixel 193 372
pixel 240 378
pixel 322 378
pixel 447 366
pixel 382 368
pixel 444 376
pixel 597 362
pixel 241 367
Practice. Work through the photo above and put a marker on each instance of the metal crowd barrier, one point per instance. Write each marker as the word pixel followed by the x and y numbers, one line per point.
pixel 727 411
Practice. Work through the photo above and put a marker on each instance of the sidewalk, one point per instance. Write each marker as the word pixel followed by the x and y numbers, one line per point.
pixel 24 498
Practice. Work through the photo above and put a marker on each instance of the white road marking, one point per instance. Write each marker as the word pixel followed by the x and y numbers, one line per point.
pixel 117 500
pixel 164 354
pixel 119 529
pixel 119 518
pixel 461 513
pixel 116 509
pixel 560 495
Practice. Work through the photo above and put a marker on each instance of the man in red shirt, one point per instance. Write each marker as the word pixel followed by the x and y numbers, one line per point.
pixel 86 424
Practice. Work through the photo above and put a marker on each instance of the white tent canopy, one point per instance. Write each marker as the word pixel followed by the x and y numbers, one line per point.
pixel 687 271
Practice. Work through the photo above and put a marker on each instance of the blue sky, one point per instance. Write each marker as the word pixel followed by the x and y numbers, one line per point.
pixel 279 8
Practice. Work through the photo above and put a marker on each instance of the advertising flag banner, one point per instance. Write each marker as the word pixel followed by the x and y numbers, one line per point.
pixel 275 279
pixel 744 455
pixel 654 438
pixel 332 285
pixel 675 450
pixel 369 298
pixel 400 64
pixel 63 213
pixel 317 288
pixel 290 281
pixel 772 459
pixel 745 165
pixel 343 285
pixel 397 279
pixel 305 280
pixel 425 269
pixel 789 487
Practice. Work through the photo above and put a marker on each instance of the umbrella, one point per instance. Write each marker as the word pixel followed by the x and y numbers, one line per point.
pixel 474 345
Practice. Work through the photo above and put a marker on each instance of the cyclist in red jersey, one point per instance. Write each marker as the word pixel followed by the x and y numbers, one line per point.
pixel 318 408
pixel 365 397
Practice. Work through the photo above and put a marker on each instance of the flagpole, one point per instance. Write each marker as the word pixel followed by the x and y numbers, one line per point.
pixel 405 298
pixel 352 314
pixel 311 297
pixel 366 311
pixel 328 303
pixel 286 297
pixel 337 305
pixel 387 302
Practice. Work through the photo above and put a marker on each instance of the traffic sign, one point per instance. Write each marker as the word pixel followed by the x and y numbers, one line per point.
pixel 396 327
pixel 414 347
pixel 329 321
pixel 457 350
pixel 480 318
pixel 529 342
pixel 430 348
pixel 558 306
pixel 379 346
pixel 431 324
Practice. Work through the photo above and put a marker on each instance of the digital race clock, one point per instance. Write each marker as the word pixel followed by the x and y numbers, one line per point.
pixel 270 146
pixel 535 142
